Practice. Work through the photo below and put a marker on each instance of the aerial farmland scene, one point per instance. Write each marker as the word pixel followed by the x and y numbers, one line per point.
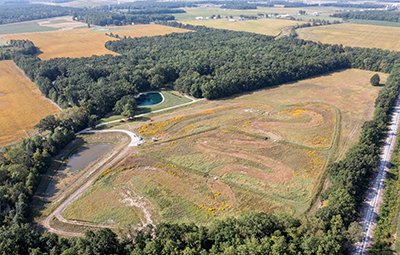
pixel 199 127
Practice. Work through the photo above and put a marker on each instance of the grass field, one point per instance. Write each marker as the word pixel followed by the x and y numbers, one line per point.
pixel 261 26
pixel 21 104
pixel 43 25
pixel 84 42
pixel 262 151
pixel 375 22
pixel 144 30
pixel 355 35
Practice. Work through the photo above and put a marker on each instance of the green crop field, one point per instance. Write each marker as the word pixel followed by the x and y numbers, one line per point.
pixel 24 27
pixel 263 151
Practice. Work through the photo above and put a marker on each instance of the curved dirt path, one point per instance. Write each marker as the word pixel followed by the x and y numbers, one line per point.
pixel 86 181
pixel 131 199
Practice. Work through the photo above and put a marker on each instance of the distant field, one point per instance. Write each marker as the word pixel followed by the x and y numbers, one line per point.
pixel 355 35
pixel 21 104
pixel 192 13
pixel 375 22
pixel 262 151
pixel 261 26
pixel 23 27
pixel 44 25
pixel 145 30
pixel 85 42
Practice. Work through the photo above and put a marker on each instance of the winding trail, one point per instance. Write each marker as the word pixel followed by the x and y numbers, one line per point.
pixel 80 186
pixel 374 195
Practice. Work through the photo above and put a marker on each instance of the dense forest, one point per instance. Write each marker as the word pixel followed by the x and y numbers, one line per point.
pixel 208 63
pixel 10 13
pixel 331 231
pixel 18 47
pixel 101 18
pixel 392 16
pixel 239 6
pixel 354 5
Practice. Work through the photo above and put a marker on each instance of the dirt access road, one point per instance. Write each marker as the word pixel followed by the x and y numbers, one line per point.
pixel 69 196
pixel 373 200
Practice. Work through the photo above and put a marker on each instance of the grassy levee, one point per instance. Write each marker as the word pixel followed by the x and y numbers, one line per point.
pixel 385 241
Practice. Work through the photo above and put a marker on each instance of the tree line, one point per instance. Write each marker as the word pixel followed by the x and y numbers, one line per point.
pixel 101 18
pixel 210 63
pixel 385 230
pixel 13 12
pixel 354 5
pixel 392 16
pixel 18 47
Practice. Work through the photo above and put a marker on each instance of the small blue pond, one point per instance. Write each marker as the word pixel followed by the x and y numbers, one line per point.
pixel 150 98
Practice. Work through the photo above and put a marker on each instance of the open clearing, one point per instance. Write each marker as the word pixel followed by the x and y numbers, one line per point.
pixel 354 35
pixel 262 151
pixel 43 25
pixel 261 26
pixel 21 104
pixel 141 30
pixel 85 42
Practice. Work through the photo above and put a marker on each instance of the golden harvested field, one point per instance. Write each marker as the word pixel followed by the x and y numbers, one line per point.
pixel 72 43
pixel 84 42
pixel 262 26
pixel 21 104
pixel 262 151
pixel 355 35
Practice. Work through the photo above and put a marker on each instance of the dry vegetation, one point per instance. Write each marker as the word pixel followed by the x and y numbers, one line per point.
pixel 263 151
pixel 354 35
pixel 72 43
pixel 262 26
pixel 84 42
pixel 21 104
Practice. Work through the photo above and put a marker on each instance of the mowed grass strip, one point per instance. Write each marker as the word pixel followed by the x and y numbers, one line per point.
pixel 85 42
pixel 21 104
pixel 271 27
pixel 354 35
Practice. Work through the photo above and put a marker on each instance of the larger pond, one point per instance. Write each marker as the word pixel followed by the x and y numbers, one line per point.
pixel 87 154
pixel 149 98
